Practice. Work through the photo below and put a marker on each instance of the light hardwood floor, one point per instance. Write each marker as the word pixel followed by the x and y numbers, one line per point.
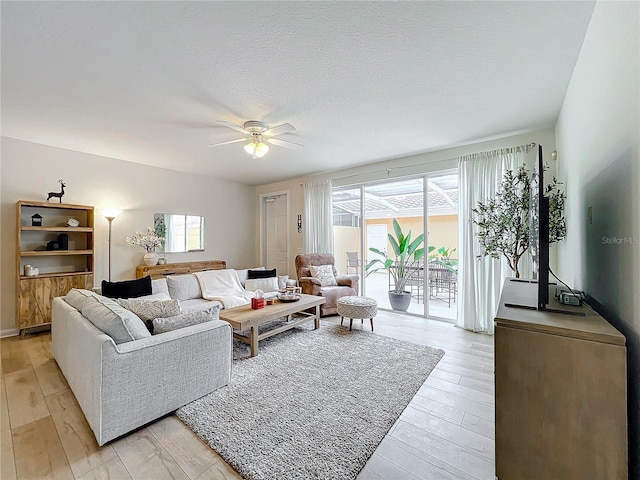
pixel 446 432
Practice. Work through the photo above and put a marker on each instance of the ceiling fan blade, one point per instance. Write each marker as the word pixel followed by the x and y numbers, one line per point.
pixel 225 143
pixel 279 130
pixel 234 126
pixel 284 143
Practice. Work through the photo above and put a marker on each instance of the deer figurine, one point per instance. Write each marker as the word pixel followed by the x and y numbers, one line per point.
pixel 57 194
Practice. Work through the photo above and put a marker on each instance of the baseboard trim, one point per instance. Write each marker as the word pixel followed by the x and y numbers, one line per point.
pixel 9 332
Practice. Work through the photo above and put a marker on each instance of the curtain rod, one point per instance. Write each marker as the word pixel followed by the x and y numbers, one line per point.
pixel 389 170
pixel 526 147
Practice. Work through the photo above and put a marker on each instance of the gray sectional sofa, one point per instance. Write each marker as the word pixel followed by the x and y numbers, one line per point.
pixel 126 378
pixel 122 386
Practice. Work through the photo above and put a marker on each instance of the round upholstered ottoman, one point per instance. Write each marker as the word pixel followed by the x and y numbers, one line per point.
pixel 357 307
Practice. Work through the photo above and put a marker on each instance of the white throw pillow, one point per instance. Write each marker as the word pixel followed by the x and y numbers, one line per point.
pixel 324 273
pixel 264 284
pixel 162 325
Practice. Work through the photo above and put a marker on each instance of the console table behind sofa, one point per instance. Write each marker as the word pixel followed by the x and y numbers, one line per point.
pixel 159 271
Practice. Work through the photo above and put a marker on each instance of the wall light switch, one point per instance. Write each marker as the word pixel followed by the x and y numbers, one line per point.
pixel 589 215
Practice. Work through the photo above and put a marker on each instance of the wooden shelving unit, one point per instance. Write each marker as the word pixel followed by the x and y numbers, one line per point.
pixel 60 270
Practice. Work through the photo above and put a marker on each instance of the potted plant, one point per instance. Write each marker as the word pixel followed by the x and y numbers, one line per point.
pixel 503 221
pixel 442 256
pixel 403 266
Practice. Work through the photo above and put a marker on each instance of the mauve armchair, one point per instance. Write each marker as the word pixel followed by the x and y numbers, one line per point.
pixel 347 284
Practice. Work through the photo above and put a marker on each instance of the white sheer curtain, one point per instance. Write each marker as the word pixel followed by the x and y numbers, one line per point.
pixel 480 279
pixel 318 218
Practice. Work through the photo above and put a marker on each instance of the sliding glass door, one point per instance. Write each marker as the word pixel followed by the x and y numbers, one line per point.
pixel 365 216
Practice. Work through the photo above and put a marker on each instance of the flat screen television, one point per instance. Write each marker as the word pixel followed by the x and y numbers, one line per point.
pixel 539 231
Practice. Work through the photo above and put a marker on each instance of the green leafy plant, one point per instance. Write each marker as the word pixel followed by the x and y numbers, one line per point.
pixel 442 256
pixel 406 260
pixel 504 221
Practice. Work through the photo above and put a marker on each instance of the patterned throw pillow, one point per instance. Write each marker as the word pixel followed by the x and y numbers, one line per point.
pixel 324 273
pixel 148 310
pixel 162 325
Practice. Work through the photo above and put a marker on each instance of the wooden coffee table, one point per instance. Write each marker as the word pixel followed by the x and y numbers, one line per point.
pixel 242 318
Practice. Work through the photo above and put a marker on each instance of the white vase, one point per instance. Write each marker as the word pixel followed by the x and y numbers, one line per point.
pixel 150 258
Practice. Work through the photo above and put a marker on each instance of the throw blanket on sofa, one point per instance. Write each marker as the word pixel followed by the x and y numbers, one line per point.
pixel 223 286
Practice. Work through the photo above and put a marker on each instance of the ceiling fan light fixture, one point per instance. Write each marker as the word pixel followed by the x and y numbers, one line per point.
pixel 256 148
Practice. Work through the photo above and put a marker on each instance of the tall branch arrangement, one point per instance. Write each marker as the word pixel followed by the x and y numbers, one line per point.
pixel 504 221
pixel 149 240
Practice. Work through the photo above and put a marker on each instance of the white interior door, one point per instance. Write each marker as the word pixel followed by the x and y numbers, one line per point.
pixel 276 239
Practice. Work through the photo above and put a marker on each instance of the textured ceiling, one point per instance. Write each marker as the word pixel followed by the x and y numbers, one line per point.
pixel 146 82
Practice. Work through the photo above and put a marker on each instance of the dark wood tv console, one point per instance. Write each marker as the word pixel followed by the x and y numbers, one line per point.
pixel 561 392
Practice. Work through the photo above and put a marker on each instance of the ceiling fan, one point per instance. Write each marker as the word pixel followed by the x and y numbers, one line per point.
pixel 259 135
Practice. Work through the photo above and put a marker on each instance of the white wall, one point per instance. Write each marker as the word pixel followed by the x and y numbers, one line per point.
pixel 416 164
pixel 30 170
pixel 598 159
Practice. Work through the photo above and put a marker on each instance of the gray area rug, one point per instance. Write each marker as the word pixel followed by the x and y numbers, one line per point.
pixel 314 404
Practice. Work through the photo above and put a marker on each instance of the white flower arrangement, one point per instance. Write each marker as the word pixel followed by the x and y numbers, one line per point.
pixel 149 240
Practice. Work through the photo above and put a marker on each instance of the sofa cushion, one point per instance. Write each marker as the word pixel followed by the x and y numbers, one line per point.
pixel 127 288
pixel 198 304
pixel 252 274
pixel 114 320
pixel 159 285
pixel 162 325
pixel 184 287
pixel 324 273
pixel 154 296
pixel 264 284
pixel 77 297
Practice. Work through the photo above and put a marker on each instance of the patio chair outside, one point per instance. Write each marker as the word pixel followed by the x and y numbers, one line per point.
pixel 353 262
pixel 442 280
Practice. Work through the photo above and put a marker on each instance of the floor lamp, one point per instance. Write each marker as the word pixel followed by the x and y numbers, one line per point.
pixel 110 215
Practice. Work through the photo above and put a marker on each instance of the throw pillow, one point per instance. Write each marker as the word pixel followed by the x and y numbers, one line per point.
pixel 127 288
pixel 150 309
pixel 147 310
pixel 162 325
pixel 252 274
pixel 184 287
pixel 264 284
pixel 324 273
pixel 114 320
